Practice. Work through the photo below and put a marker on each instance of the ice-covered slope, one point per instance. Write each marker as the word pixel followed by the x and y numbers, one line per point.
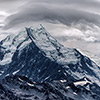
pixel 34 53
pixel 52 49
pixel 10 44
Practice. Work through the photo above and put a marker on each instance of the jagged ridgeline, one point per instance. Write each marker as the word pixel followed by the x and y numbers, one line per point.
pixel 36 55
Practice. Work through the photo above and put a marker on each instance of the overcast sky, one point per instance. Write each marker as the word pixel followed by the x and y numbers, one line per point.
pixel 76 23
pixel 83 15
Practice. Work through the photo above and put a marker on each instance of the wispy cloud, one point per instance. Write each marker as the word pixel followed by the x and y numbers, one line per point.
pixel 66 12
pixel 81 17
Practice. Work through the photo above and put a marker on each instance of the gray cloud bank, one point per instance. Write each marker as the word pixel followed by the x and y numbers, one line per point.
pixel 76 22
pixel 83 15
pixel 68 12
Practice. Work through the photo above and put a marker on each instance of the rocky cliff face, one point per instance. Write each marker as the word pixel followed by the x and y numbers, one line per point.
pixel 21 88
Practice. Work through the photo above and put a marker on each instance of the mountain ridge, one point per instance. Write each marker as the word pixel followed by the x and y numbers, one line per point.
pixel 50 48
pixel 35 54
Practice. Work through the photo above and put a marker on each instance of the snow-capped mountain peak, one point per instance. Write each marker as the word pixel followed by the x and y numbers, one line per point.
pixel 35 54
pixel 37 46
pixel 50 46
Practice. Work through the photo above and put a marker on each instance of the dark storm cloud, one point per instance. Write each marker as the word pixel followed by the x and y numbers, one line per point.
pixel 67 12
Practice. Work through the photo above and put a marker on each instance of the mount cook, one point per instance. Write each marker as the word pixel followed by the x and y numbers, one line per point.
pixel 35 66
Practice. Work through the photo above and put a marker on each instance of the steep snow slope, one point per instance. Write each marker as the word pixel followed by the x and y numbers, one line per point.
pixel 10 44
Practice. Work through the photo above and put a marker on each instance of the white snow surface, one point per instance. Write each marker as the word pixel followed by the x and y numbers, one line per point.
pixel 82 83
pixel 16 72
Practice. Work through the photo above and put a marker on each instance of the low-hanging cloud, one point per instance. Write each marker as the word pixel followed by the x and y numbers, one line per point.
pixel 64 12
pixel 77 14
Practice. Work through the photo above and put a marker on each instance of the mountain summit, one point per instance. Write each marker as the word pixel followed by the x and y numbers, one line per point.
pixel 35 54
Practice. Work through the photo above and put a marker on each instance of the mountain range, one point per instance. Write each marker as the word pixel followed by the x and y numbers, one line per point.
pixel 35 66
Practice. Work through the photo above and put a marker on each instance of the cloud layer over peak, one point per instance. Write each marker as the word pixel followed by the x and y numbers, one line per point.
pixel 76 21
pixel 66 12
pixel 80 15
